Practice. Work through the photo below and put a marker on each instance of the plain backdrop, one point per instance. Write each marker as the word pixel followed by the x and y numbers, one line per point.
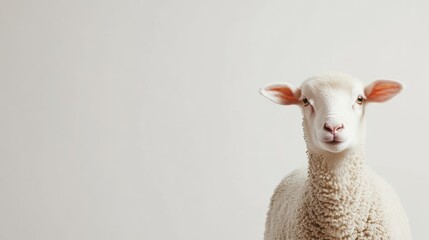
pixel 142 119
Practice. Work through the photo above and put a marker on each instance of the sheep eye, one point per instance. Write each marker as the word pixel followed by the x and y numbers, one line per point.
pixel 359 100
pixel 305 101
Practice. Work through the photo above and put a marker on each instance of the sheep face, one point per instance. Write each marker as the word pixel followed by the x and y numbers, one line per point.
pixel 333 106
pixel 333 112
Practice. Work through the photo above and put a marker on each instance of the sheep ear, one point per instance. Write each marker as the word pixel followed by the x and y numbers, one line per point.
pixel 382 90
pixel 281 93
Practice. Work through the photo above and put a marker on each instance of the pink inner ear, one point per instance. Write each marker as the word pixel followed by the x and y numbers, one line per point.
pixel 382 91
pixel 285 94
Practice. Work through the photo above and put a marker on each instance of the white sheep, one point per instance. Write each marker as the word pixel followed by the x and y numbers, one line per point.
pixel 338 196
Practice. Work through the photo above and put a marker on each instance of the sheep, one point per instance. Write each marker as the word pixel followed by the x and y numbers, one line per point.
pixel 337 196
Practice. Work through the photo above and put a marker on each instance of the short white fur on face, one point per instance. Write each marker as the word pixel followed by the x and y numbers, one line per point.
pixel 333 107
pixel 333 119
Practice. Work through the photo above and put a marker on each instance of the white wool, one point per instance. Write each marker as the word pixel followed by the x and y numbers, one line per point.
pixel 337 196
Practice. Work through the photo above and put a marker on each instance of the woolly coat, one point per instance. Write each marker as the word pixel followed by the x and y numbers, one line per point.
pixel 335 199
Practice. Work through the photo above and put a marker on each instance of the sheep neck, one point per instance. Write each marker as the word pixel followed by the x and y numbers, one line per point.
pixel 335 194
pixel 340 173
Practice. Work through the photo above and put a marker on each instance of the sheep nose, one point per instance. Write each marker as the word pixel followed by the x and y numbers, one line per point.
pixel 333 129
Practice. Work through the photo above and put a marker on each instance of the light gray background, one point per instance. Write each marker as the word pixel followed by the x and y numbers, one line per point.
pixel 142 119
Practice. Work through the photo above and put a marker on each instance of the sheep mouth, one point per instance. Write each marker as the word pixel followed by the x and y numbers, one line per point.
pixel 333 142
pixel 334 146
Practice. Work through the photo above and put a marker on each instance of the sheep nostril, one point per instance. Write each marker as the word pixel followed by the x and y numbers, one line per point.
pixel 341 126
pixel 327 127
pixel 333 129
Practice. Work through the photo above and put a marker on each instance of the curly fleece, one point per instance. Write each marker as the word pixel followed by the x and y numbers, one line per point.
pixel 335 199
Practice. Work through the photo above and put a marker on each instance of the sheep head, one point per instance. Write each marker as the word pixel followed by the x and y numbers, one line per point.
pixel 333 106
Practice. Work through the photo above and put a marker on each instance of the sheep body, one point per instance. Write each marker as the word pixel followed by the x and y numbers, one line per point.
pixel 337 196
pixel 287 212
